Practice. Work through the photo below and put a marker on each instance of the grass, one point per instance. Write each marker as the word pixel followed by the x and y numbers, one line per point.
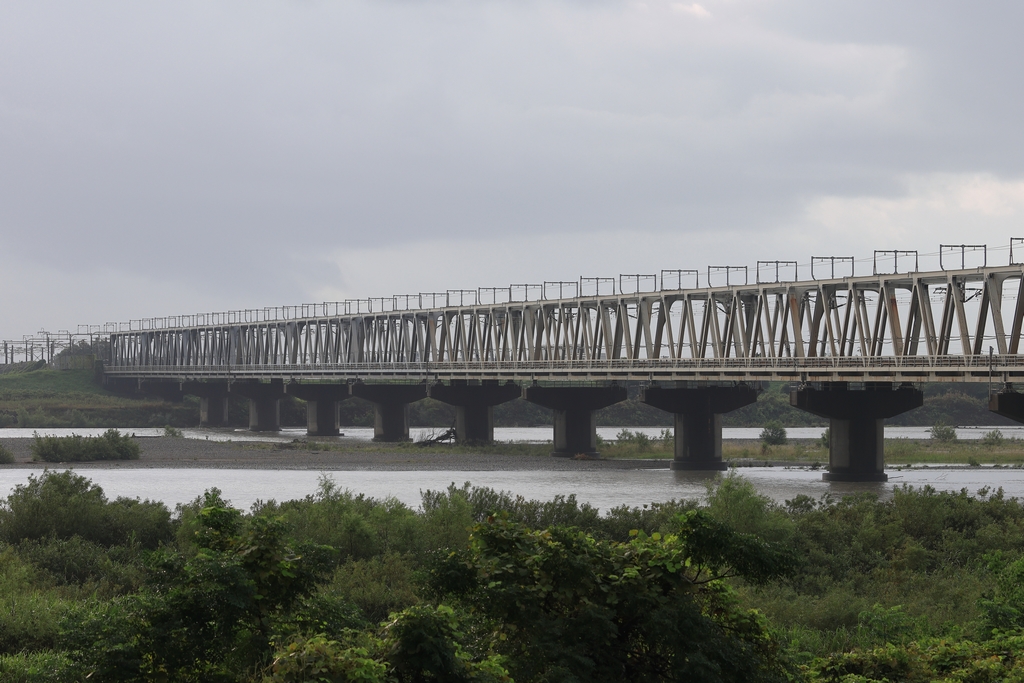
pixel 72 398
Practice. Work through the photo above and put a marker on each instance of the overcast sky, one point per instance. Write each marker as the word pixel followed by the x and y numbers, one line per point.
pixel 177 157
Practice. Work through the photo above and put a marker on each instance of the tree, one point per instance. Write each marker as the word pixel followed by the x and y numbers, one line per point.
pixel 564 606
pixel 205 615
pixel 773 434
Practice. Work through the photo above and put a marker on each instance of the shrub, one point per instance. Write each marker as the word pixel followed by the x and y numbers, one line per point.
pixel 825 440
pixel 643 442
pixel 64 504
pixel 112 445
pixel 172 432
pixel 773 434
pixel 377 586
pixel 625 436
pixel 45 666
pixel 943 432
pixel 993 438
pixel 6 456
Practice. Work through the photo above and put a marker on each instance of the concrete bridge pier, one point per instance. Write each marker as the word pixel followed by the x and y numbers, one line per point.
pixel 213 411
pixel 856 449
pixel 264 403
pixel 213 402
pixel 574 408
pixel 698 420
pixel 391 407
pixel 474 406
pixel 322 404
pixel 1008 404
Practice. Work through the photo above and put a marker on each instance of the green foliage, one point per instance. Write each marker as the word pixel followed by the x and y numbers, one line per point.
pixel 376 586
pixel 1003 607
pixel 943 432
pixel 999 660
pixel 825 440
pixel 64 504
pixel 30 609
pixel 172 432
pixel 204 616
pixel 111 445
pixel 425 643
pixel 923 585
pixel 321 659
pixel 563 605
pixel 6 455
pixel 76 561
pixel 993 438
pixel 357 526
pixel 44 666
pixel 773 433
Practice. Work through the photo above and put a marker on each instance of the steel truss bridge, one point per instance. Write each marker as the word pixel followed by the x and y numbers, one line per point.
pixel 927 326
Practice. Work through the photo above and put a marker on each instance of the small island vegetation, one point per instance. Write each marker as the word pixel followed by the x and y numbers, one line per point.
pixel 111 445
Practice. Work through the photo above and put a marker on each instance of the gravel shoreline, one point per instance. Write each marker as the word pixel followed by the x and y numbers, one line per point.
pixel 170 452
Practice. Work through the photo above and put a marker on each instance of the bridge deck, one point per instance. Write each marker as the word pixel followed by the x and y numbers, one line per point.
pixel 914 369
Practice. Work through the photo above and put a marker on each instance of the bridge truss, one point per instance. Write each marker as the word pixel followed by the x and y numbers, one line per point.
pixel 947 325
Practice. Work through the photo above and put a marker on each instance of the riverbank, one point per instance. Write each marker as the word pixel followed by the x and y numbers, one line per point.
pixel 171 452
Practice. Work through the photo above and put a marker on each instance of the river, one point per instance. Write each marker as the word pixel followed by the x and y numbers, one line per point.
pixel 603 489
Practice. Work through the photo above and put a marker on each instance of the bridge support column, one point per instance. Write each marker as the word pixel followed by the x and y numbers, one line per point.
pixel 213 411
pixel 856 449
pixel 474 406
pixel 698 420
pixel 1008 404
pixel 322 403
pixel 391 407
pixel 213 402
pixel 264 404
pixel 575 421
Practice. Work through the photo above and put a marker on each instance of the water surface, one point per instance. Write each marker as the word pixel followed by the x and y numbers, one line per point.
pixel 603 489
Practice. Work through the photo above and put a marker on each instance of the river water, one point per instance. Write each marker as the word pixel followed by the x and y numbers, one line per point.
pixel 602 488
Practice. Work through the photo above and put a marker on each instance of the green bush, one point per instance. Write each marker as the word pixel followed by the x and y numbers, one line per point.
pixel 378 586
pixel 112 445
pixel 943 432
pixel 6 456
pixel 64 504
pixel 773 434
pixel 172 432
pixel 44 666
pixel 993 438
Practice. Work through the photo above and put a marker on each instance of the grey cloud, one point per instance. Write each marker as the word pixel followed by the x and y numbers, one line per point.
pixel 190 140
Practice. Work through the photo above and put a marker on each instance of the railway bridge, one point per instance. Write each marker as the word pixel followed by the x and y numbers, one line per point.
pixel 855 349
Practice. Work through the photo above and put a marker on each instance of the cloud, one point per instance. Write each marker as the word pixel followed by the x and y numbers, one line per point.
pixel 225 151
pixel 693 9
